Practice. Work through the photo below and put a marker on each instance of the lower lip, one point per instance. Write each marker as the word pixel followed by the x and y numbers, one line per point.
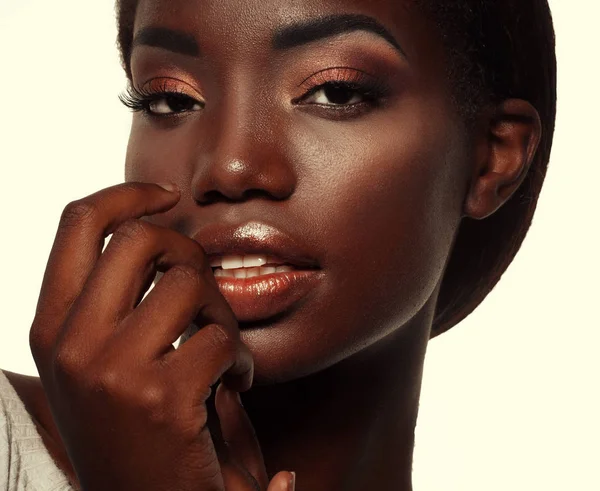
pixel 261 297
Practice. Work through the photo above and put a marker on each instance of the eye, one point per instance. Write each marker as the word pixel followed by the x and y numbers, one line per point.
pixel 170 103
pixel 160 102
pixel 338 94
pixel 342 93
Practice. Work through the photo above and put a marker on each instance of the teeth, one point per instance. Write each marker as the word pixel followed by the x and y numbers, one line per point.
pixel 232 262
pixel 254 261
pixel 251 272
pixel 249 261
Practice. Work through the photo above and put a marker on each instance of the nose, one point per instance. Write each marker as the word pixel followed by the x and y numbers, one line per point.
pixel 242 158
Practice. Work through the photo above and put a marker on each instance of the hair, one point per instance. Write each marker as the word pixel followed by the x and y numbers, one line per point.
pixel 496 50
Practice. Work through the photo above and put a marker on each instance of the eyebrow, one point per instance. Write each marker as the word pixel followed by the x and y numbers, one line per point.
pixel 332 25
pixel 284 38
pixel 169 39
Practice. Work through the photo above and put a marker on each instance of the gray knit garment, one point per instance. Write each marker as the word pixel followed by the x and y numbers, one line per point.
pixel 25 463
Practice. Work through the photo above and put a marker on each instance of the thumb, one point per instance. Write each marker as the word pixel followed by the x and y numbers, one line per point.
pixel 283 481
pixel 239 435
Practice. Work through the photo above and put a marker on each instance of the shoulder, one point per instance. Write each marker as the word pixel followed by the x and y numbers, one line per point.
pixel 23 397
pixel 27 389
pixel 25 462
pixel 15 425
pixel 10 402
pixel 16 428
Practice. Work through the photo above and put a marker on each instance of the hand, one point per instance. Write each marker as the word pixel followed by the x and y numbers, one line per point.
pixel 130 409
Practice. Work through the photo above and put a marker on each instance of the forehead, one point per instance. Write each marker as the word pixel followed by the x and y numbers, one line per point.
pixel 243 25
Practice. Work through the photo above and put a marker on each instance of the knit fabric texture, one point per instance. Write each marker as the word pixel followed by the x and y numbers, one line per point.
pixel 25 463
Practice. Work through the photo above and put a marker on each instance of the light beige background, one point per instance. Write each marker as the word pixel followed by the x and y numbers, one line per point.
pixel 510 396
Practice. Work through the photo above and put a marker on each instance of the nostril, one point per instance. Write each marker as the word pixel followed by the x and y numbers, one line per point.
pixel 214 197
pixel 256 193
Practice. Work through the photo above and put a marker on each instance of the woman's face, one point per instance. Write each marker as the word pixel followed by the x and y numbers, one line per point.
pixel 367 180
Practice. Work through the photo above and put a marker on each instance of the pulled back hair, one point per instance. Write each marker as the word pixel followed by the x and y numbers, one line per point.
pixel 496 50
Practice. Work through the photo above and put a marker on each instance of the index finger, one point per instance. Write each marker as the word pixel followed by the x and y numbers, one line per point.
pixel 84 224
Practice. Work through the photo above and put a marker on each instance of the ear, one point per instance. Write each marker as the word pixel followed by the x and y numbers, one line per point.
pixel 506 152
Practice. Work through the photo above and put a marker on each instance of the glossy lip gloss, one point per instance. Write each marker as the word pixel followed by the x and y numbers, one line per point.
pixel 261 297
pixel 239 248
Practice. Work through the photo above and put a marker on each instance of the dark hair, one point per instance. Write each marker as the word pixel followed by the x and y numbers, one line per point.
pixel 497 49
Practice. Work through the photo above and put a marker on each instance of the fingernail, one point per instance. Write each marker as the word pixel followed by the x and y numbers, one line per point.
pixel 169 186
pixel 292 485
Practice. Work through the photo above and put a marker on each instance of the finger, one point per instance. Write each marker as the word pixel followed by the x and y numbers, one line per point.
pixel 130 260
pixel 182 297
pixel 283 481
pixel 238 479
pixel 78 243
pixel 239 435
pixel 215 351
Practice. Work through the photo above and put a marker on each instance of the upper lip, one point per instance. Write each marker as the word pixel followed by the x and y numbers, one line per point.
pixel 253 237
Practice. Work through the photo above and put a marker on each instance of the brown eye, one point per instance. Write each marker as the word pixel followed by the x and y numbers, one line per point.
pixel 336 94
pixel 172 103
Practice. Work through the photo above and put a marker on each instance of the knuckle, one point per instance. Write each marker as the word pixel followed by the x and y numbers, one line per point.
pixel 78 212
pixel 187 273
pixel 154 401
pixel 187 427
pixel 67 364
pixel 146 397
pixel 132 230
pixel 108 379
pixel 105 379
pixel 223 340
pixel 36 340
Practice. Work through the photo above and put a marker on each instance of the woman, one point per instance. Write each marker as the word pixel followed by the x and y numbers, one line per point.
pixel 387 155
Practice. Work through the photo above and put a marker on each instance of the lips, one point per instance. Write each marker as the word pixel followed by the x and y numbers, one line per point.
pixel 260 297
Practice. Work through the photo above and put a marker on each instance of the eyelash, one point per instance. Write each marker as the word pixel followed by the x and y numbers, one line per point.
pixel 140 99
pixel 371 91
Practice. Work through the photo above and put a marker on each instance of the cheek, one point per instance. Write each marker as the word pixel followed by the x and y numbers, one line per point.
pixel 393 204
pixel 155 155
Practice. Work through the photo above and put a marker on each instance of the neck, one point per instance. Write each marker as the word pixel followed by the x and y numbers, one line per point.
pixel 349 427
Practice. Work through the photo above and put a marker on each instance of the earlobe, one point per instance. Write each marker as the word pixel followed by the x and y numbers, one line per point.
pixel 513 136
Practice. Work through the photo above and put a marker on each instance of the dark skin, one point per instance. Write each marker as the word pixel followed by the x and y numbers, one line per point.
pixel 378 191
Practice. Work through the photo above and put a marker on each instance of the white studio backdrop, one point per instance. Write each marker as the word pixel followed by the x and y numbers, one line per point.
pixel 510 396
